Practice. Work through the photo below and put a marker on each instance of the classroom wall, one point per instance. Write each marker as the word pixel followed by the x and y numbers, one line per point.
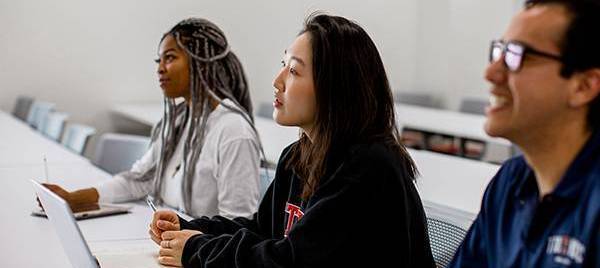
pixel 89 55
pixel 453 38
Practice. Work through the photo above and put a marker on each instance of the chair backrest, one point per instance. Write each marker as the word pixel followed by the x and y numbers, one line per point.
pixel 22 107
pixel 473 106
pixel 515 150
pixel 76 137
pixel 447 228
pixel 265 109
pixel 266 177
pixel 414 98
pixel 117 152
pixel 38 112
pixel 54 125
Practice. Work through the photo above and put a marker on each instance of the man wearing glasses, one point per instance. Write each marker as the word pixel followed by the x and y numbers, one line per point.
pixel 542 209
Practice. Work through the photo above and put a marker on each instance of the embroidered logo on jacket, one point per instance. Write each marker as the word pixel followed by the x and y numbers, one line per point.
pixel 566 249
pixel 294 215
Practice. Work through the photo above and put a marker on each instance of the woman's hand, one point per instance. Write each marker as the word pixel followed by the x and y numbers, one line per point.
pixel 163 220
pixel 171 246
pixel 81 200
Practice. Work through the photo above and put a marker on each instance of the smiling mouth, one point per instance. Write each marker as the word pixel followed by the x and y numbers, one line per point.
pixel 497 101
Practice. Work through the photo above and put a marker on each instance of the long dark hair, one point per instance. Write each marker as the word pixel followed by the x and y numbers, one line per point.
pixel 215 73
pixel 353 97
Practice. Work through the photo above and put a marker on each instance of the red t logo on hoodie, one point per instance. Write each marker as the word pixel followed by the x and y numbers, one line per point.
pixel 294 215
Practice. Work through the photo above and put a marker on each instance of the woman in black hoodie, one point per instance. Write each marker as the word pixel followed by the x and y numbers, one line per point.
pixel 343 194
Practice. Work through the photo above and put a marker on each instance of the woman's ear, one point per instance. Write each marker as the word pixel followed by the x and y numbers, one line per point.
pixel 587 89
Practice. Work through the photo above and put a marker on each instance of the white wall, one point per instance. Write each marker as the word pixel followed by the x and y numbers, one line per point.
pixel 89 55
pixel 453 43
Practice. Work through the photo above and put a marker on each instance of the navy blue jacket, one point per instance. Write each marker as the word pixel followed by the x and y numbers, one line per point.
pixel 365 213
pixel 516 229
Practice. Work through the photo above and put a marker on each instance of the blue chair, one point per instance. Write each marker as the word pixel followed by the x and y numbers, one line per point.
pixel 76 137
pixel 117 152
pixel 54 124
pixel 38 113
pixel 22 107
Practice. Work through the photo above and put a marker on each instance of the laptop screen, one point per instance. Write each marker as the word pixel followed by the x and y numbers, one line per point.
pixel 61 218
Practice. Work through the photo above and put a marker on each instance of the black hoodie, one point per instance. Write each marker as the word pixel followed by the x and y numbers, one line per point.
pixel 365 212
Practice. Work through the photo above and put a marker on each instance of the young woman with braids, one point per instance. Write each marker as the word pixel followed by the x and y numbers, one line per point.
pixel 204 158
pixel 343 195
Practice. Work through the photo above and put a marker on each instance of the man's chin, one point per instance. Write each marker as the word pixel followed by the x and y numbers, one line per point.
pixel 493 130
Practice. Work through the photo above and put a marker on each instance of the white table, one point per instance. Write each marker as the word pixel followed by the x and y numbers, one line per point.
pixel 20 145
pixel 145 113
pixel 451 181
pixel 31 241
pixel 274 137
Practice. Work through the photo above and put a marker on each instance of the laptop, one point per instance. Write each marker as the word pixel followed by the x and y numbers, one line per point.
pixel 75 246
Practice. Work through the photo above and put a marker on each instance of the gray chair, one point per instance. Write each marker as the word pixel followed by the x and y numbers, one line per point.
pixel 76 137
pixel 266 177
pixel 117 152
pixel 447 227
pixel 54 124
pixel 38 112
pixel 265 110
pixel 414 98
pixel 515 150
pixel 473 106
pixel 22 107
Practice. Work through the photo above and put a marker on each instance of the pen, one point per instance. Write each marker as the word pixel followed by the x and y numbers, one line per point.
pixel 46 168
pixel 153 207
pixel 150 203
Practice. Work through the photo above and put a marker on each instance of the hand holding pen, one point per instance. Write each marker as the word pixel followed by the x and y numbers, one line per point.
pixel 162 221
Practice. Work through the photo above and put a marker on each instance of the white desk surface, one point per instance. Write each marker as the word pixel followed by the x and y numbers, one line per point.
pixel 20 145
pixel 444 122
pixel 452 181
pixel 145 113
pixel 31 241
pixel 274 137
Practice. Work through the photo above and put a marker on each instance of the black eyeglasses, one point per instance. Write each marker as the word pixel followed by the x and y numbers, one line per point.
pixel 514 52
